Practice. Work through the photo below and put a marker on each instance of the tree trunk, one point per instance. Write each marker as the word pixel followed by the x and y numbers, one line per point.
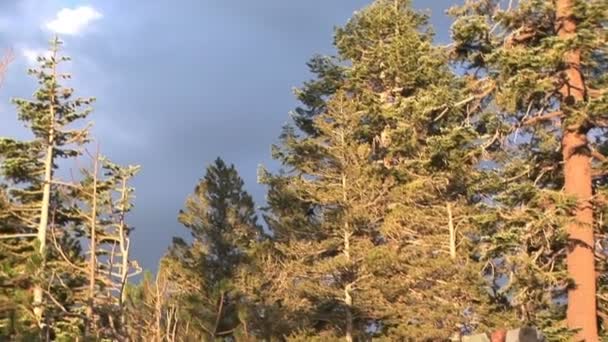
pixel 93 249
pixel 41 236
pixel 124 250
pixel 577 172
pixel 44 211
pixel 348 299
pixel 158 305
pixel 218 317
pixel 452 230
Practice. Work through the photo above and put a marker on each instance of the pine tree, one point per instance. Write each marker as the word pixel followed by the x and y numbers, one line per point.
pixel 151 310
pixel 116 266
pixel 102 199
pixel 15 281
pixel 425 133
pixel 28 167
pixel 326 246
pixel 543 64
pixel 329 77
pixel 221 218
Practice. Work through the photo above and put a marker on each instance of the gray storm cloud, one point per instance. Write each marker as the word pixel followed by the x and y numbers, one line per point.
pixel 181 82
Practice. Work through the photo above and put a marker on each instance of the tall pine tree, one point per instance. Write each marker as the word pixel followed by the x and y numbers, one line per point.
pixel 29 167
pixel 425 134
pixel 544 64
pixel 375 220
pixel 221 218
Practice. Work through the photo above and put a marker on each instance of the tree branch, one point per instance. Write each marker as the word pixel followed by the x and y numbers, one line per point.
pixel 540 118
pixel 16 236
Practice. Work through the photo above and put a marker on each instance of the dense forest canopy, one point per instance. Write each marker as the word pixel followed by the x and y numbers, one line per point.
pixel 426 192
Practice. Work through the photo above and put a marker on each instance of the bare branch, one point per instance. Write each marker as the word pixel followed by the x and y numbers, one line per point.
pixel 543 117
pixel 16 236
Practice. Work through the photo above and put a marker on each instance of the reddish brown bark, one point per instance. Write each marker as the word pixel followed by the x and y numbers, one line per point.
pixel 499 336
pixel 582 305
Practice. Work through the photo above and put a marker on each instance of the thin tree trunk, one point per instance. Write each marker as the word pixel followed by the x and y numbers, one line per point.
pixel 42 230
pixel 452 232
pixel 348 299
pixel 174 331
pixel 111 260
pixel 44 209
pixel 159 309
pixel 93 247
pixel 124 249
pixel 169 324
pixel 245 330
pixel 582 305
pixel 218 317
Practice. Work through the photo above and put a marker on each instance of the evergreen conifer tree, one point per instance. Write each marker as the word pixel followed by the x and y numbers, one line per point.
pixel 101 201
pixel 544 65
pixel 410 161
pixel 221 218
pixel 28 167
pixel 326 246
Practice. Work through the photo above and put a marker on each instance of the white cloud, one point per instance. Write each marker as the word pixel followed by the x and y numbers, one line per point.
pixel 73 21
pixel 31 55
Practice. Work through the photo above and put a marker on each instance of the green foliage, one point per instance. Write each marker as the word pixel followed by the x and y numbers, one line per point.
pixel 324 218
pixel 313 94
pixel 414 202
pixel 221 218
pixel 517 55
pixel 51 117
pixel 362 207
pixel 63 268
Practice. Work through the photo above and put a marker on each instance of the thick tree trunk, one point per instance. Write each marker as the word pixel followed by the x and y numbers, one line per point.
pixel 581 264
pixel 577 172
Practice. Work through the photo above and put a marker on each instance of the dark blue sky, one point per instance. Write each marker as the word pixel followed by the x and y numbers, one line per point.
pixel 179 83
